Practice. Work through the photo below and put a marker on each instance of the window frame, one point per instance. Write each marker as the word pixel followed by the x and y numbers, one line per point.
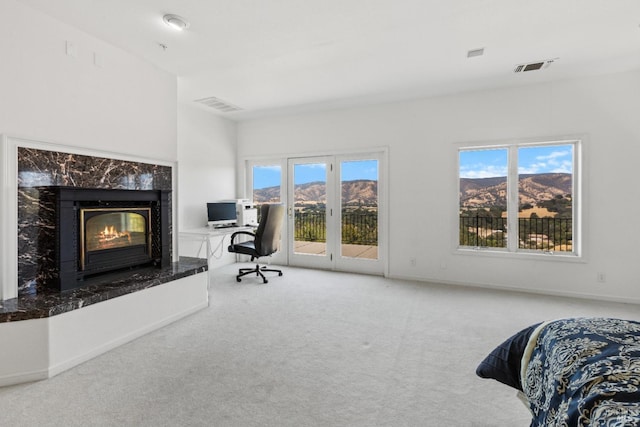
pixel 512 250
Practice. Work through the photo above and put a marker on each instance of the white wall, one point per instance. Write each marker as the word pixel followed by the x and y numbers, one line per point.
pixel 207 170
pixel 206 163
pixel 123 106
pixel 421 137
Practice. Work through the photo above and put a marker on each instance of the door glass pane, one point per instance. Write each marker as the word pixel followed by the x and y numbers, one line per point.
pixel 545 205
pixel 310 216
pixel 266 185
pixel 483 198
pixel 359 209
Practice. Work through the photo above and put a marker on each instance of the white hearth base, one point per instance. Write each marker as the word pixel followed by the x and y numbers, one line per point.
pixel 37 349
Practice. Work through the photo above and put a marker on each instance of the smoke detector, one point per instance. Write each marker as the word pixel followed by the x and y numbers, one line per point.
pixel 218 104
pixel 534 66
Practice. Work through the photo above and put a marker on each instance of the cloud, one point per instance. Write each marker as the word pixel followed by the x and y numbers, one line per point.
pixel 554 155
pixel 274 168
pixel 482 171
pixel 554 162
pixel 313 165
pixel 531 160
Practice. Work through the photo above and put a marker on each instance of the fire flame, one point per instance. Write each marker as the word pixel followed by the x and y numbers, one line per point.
pixel 110 233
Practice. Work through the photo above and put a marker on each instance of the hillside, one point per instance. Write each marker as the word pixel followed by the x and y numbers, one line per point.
pixel 488 192
pixel 358 192
pixel 361 192
pixel 474 193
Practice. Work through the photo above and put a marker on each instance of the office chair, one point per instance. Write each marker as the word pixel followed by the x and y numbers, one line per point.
pixel 266 240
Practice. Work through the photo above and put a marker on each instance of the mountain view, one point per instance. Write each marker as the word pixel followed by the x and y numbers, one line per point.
pixel 489 192
pixel 544 213
pixel 354 193
pixel 482 211
pixel 474 192
pixel 359 213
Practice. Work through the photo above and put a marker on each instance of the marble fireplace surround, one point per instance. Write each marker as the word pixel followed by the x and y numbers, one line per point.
pixel 45 332
pixel 45 172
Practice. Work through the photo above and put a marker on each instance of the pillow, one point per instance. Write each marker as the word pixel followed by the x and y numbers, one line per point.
pixel 503 363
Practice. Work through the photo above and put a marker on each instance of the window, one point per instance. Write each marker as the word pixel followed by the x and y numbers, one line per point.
pixel 520 197
pixel 265 183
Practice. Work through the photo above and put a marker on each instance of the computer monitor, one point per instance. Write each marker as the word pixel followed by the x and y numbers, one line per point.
pixel 220 214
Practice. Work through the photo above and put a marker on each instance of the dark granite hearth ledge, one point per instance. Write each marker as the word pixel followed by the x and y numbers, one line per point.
pixel 50 303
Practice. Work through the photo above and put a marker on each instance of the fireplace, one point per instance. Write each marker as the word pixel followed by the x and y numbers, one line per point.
pixel 99 231
pixel 114 236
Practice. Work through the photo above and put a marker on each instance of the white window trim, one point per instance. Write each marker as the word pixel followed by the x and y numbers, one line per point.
pixel 579 240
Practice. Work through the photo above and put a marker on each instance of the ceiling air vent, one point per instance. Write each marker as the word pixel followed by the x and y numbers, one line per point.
pixel 475 52
pixel 218 104
pixel 533 66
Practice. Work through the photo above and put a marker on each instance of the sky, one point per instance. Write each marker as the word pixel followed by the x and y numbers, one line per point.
pixel 531 160
pixel 266 176
pixel 270 176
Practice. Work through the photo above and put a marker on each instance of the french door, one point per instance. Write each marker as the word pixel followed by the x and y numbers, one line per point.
pixel 267 184
pixel 311 212
pixel 334 213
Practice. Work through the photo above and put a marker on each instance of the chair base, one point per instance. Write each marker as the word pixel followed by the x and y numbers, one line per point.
pixel 258 271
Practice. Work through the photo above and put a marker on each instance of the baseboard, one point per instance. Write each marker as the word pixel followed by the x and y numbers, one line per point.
pixel 547 292
pixel 23 377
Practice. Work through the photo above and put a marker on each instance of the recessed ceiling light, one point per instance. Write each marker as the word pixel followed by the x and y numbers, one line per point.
pixel 176 22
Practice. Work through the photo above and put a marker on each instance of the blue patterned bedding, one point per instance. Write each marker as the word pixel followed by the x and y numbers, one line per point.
pixel 583 372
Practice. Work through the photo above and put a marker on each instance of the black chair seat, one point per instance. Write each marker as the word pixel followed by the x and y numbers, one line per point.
pixel 266 240
pixel 245 248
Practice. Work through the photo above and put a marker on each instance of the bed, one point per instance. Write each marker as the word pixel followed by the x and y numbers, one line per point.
pixel 573 372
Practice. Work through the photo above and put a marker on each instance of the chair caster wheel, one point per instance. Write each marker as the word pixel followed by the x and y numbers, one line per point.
pixel 280 273
pixel 238 279
pixel 265 281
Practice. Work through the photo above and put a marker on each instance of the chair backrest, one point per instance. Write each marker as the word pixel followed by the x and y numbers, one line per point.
pixel 267 239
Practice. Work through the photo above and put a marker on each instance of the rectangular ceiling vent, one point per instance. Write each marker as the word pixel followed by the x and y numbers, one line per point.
pixel 475 52
pixel 533 66
pixel 218 104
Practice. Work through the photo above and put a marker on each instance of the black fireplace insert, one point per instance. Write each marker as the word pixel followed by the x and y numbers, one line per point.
pixel 98 231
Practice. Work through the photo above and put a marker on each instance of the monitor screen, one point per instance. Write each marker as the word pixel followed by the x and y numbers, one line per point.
pixel 221 213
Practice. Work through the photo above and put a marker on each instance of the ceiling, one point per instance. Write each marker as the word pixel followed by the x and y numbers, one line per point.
pixel 286 56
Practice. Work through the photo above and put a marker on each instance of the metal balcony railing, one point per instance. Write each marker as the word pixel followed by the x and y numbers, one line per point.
pixel 548 234
pixel 358 228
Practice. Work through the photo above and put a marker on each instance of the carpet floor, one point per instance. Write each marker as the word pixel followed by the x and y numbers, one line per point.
pixel 310 348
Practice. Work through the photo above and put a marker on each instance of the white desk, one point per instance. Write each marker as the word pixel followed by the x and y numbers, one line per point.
pixel 204 234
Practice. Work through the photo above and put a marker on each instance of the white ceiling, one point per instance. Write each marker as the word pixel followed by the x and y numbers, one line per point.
pixel 283 56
